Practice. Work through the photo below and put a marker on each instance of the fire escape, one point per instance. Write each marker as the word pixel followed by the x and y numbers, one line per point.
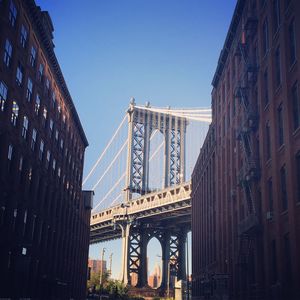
pixel 249 173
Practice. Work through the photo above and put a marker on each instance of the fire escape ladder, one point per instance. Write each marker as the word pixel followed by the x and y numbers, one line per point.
pixel 250 22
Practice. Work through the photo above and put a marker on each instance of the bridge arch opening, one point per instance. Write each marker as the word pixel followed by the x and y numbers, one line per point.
pixel 154 263
pixel 156 161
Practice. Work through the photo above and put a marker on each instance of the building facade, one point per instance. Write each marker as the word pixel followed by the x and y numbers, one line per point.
pixel 256 114
pixel 44 222
pixel 97 266
pixel 203 213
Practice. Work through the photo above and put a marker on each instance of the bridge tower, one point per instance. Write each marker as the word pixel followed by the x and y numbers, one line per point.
pixel 142 122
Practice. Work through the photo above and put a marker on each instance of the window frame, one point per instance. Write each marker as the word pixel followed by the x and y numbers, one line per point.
pixel 3 95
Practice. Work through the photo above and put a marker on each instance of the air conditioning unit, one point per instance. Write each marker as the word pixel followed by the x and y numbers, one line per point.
pixel 269 215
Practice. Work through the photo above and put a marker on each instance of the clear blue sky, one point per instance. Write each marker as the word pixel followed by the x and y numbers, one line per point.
pixel 162 51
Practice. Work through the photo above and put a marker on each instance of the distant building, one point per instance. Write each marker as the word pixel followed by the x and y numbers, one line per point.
pixel 44 221
pixel 154 280
pixel 245 226
pixel 134 279
pixel 97 265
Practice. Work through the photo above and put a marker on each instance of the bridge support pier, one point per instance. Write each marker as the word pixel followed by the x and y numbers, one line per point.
pixel 165 245
pixel 142 272
pixel 125 228
pixel 135 239
pixel 181 273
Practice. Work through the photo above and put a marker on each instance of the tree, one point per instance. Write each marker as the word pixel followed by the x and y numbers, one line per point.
pixel 116 289
pixel 94 282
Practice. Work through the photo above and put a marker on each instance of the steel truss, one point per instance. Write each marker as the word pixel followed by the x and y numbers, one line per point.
pixel 142 123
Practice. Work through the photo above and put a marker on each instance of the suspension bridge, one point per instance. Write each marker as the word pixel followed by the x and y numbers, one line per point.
pixel 142 186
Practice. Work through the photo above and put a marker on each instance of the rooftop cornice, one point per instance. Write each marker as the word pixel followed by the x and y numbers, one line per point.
pixel 228 41
pixel 45 36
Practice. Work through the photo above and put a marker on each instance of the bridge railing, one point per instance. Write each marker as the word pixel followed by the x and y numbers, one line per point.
pixel 152 200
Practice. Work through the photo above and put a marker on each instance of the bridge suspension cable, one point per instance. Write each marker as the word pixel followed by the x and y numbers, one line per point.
pixel 110 165
pixel 122 176
pixel 115 200
pixel 108 193
pixel 108 172
pixel 104 151
pixel 198 114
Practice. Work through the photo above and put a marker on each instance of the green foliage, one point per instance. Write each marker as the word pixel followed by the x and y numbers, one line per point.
pixel 116 289
pixel 94 282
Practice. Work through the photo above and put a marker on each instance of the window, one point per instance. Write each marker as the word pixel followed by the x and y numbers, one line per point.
pixel 270 194
pixel 7 53
pixel 37 104
pixel 23 37
pixel 33 226
pixel 53 100
pixel 47 84
pixel 273 263
pixel 9 156
pixel 51 126
pixel 32 56
pixel 265 37
pixel 287 258
pixel 266 87
pixel 12 15
pixel 58 172
pixel 21 164
pixel 10 152
pixel 298 176
pixel 41 71
pixel 56 135
pixel 19 74
pixel 33 139
pixel 53 164
pixel 48 159
pixel 292 42
pixel 277 67
pixel 284 200
pixel 268 141
pixel 3 95
pixel 25 127
pixel 29 90
pixel 276 15
pixel 296 106
pixel 41 150
pixel 280 125
pixel 30 173
pixel 62 144
pixel 44 116
pixel 14 113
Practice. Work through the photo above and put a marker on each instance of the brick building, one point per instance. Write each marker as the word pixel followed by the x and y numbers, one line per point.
pixel 256 116
pixel 44 221
pixel 97 265
pixel 203 191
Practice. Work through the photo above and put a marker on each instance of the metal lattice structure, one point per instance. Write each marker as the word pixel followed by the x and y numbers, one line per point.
pixel 142 123
pixel 144 214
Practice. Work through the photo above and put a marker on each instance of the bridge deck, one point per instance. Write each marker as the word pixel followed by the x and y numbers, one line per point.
pixel 157 208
